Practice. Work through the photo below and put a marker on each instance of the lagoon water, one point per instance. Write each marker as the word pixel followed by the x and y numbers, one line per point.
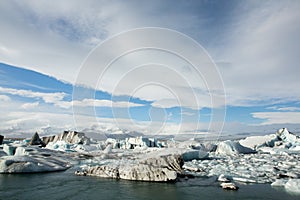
pixel 65 185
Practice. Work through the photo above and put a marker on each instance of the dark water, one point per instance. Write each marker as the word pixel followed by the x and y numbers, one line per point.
pixel 65 185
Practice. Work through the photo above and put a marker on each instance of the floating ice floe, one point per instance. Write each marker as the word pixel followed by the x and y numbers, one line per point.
pixel 59 145
pixel 158 169
pixel 293 186
pixel 223 178
pixel 187 154
pixel 31 164
pixel 31 160
pixel 279 183
pixel 290 185
pixel 249 168
pixel 229 186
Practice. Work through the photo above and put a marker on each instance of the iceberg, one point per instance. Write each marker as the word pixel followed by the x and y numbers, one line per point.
pixel 31 164
pixel 70 137
pixel 36 140
pixel 229 186
pixel 223 178
pixel 229 147
pixel 60 146
pixel 279 183
pixel 284 135
pixel 10 149
pixel 293 186
pixel 255 142
pixel 187 154
pixel 290 185
pixel 134 142
pixel 281 141
pixel 158 169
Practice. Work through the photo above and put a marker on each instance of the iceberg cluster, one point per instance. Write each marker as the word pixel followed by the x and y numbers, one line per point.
pixel 135 142
pixel 24 159
pixel 273 158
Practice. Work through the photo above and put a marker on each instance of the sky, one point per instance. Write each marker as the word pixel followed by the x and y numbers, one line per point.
pixel 155 67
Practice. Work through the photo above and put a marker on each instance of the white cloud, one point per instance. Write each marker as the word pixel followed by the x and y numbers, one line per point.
pixel 28 106
pixel 4 98
pixel 261 54
pixel 278 117
pixel 286 108
pixel 257 49
pixel 289 109
pixel 58 35
pixel 57 99
pixel 260 42
pixel 7 51
pixel 97 103
pixel 47 97
pixel 20 122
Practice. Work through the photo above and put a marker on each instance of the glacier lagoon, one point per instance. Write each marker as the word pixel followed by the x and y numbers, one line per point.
pixel 264 167
pixel 64 185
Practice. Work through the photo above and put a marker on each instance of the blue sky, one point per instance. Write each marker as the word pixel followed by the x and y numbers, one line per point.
pixel 45 46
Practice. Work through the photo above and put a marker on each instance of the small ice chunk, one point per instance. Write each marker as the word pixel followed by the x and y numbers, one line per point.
pixel 223 178
pixel 286 136
pixel 279 183
pixel 108 149
pixel 244 180
pixel 229 186
pixel 293 186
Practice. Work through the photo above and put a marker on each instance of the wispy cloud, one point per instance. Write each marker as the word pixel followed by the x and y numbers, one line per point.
pixel 278 117
pixel 46 97
pixel 261 52
pixel 286 108
pixel 28 106
pixel 97 103
pixel 57 99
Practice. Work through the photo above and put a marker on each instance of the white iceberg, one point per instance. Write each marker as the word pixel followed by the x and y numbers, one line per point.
pixel 60 146
pixel 229 186
pixel 31 164
pixel 187 154
pixel 286 136
pixel 70 137
pixel 229 147
pixel 255 142
pixel 293 186
pixel 279 183
pixel 154 168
